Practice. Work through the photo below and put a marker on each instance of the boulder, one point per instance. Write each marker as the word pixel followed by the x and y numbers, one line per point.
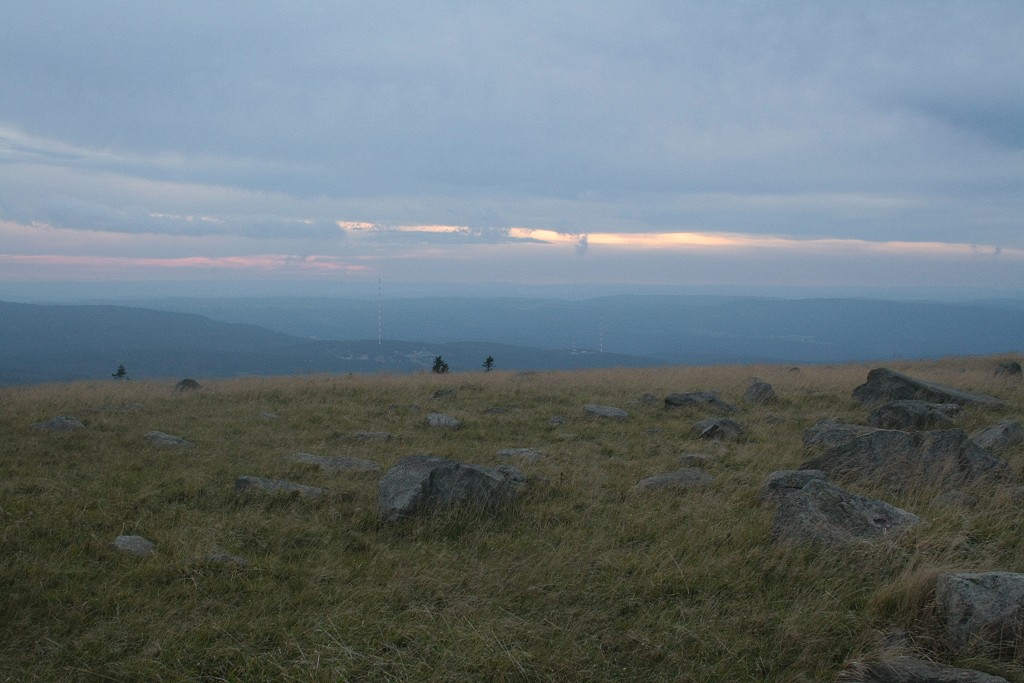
pixel 443 421
pixel 187 384
pixel 900 460
pixel 681 479
pixel 821 512
pixel 135 545
pixel 986 607
pixel 608 412
pixel 888 385
pixel 720 428
pixel 162 440
pixel 910 670
pixel 999 437
pixel 524 454
pixel 831 432
pixel 336 463
pixel 426 483
pixel 913 414
pixel 707 400
pixel 780 484
pixel 759 392
pixel 249 483
pixel 61 423
pixel 1009 368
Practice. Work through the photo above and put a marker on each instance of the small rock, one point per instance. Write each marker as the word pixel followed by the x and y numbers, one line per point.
pixel 373 436
pixel 681 479
pixel 556 421
pixel 261 485
pixel 444 421
pixel 608 412
pixel 1010 368
pixel 163 440
pixel 61 423
pixel 444 393
pixel 699 460
pixel 759 392
pixel 187 384
pixel 720 428
pixel 910 670
pixel 524 454
pixel 495 410
pixel 780 484
pixel 222 558
pixel 338 463
pixel 699 399
pixel 269 416
pixel 135 545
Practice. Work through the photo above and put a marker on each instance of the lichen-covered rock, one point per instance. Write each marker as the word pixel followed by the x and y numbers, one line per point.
pixel 759 391
pixel 1009 368
pixel 999 437
pixel 910 670
pixel 440 420
pixel 524 454
pixel 831 432
pixel 719 428
pixel 135 545
pixel 680 479
pixel 779 484
pixel 707 400
pixel 820 512
pixel 248 483
pixel 421 483
pixel 336 463
pixel 164 440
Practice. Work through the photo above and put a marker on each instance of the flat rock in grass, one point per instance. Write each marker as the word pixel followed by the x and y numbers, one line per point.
pixel 821 512
pixel 135 545
pixel 680 479
pixel 986 607
pixel 250 484
pixel 718 428
pixel 443 421
pixel 831 432
pixel 901 461
pixel 607 412
pixel 163 440
pixel 999 437
pixel 707 400
pixel 913 414
pixel 221 558
pixel 698 460
pixel 524 454
pixel 425 483
pixel 884 384
pixel 778 485
pixel 61 423
pixel 373 436
pixel 910 670
pixel 759 391
pixel 336 463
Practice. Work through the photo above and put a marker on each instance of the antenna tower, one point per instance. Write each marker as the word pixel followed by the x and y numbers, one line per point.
pixel 380 306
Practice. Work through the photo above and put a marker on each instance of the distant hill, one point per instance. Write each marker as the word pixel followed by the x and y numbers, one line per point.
pixel 671 329
pixel 64 343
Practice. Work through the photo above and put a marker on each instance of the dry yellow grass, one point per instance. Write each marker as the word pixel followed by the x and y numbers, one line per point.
pixel 577 581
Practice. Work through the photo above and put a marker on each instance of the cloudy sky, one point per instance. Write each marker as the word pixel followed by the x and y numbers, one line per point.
pixel 806 144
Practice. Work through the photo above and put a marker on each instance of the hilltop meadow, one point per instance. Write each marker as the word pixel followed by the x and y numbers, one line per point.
pixel 579 579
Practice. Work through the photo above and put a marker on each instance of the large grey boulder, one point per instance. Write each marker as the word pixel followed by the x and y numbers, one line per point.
pixel 913 414
pixel 443 421
pixel 718 428
pixel 336 463
pixel 61 423
pixel 250 484
pixel 987 607
pixel 778 485
pixel 999 437
pixel 707 400
pixel 681 479
pixel 888 385
pixel 910 670
pixel 135 545
pixel 164 440
pixel 829 433
pixel 901 460
pixel 821 512
pixel 421 483
pixel 608 412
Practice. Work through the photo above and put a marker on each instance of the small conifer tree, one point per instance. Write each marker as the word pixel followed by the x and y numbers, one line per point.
pixel 440 367
pixel 488 363
pixel 121 373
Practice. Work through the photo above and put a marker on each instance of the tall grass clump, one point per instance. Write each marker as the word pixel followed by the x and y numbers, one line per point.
pixel 579 580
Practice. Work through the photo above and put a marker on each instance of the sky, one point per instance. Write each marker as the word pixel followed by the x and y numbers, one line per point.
pixel 326 146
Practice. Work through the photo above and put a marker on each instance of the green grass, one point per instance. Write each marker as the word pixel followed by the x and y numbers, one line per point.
pixel 576 581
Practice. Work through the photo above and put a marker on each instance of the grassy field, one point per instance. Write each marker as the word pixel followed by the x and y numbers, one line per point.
pixel 577 581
